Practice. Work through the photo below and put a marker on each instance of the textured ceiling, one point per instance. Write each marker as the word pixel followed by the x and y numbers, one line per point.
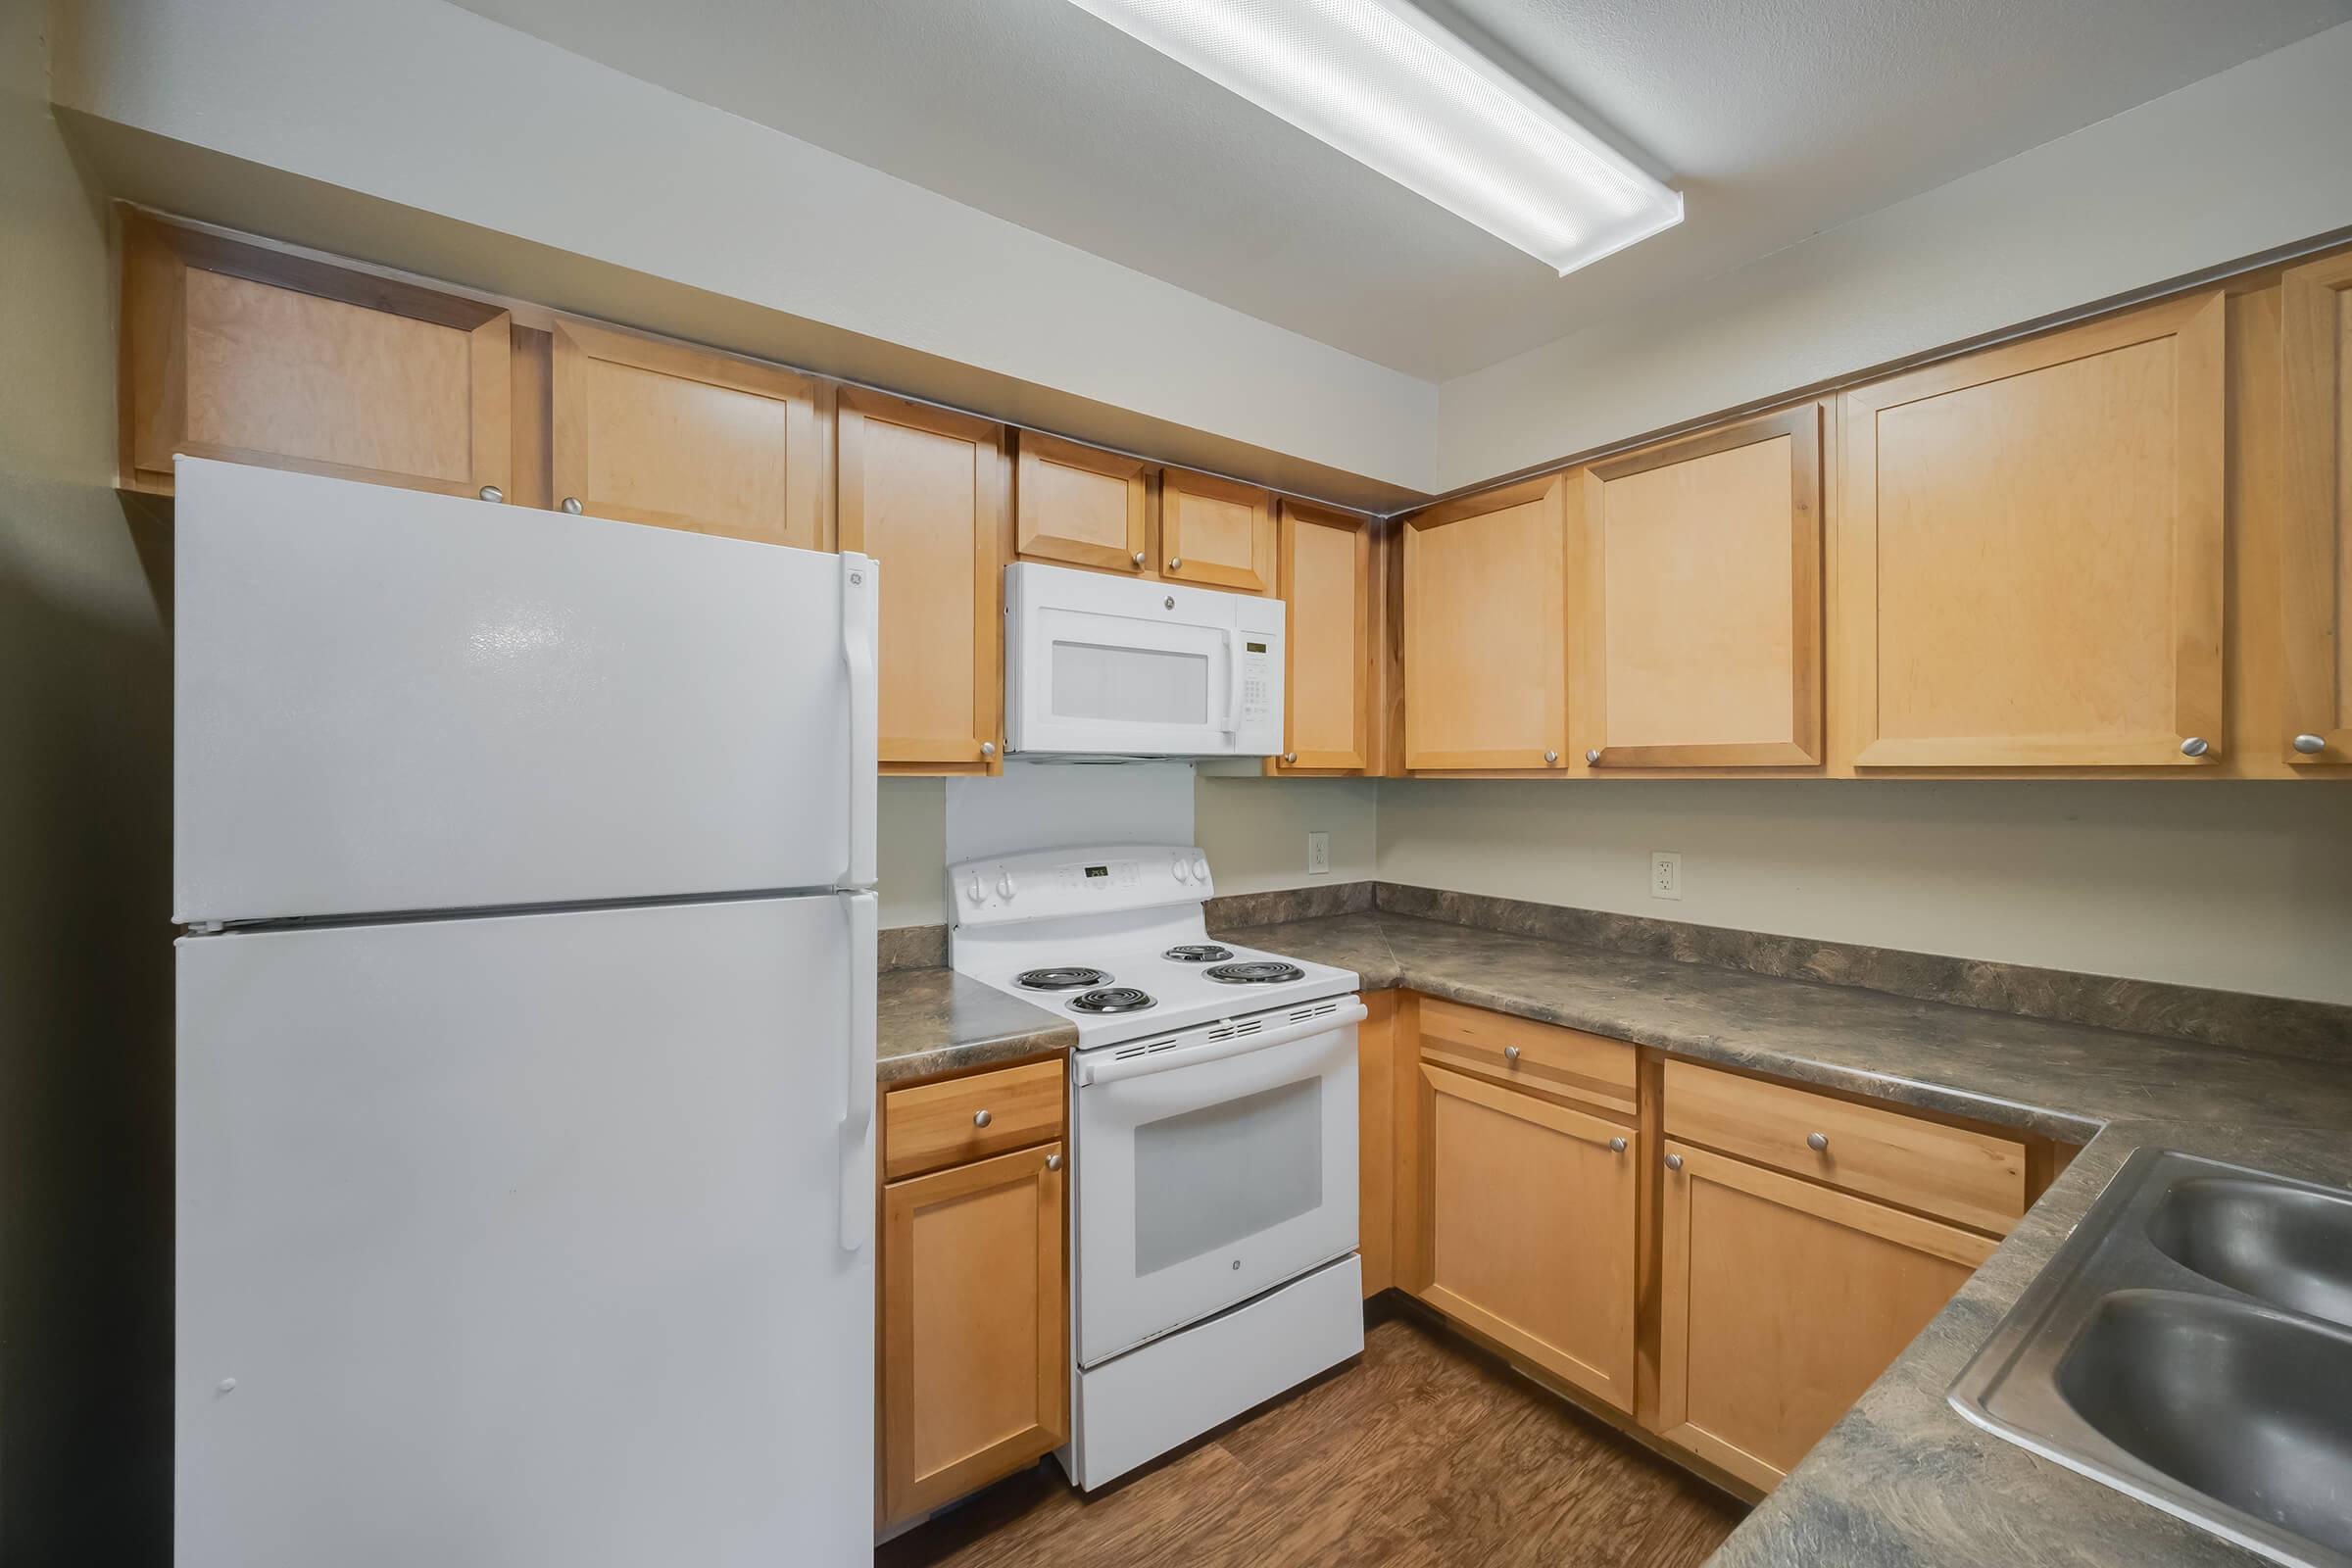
pixel 1776 118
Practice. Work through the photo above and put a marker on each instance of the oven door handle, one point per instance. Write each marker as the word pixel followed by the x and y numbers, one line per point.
pixel 1111 1072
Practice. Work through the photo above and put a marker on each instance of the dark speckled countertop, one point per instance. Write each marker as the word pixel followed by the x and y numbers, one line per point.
pixel 1901 1479
pixel 934 1021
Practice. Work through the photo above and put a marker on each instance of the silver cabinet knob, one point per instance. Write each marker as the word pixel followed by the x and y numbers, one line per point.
pixel 2194 746
pixel 1288 757
pixel 491 492
pixel 1593 756
pixel 2310 745
pixel 1817 1142
pixel 1053 1163
pixel 1616 1145
pixel 1138 558
pixel 1511 1053
pixel 1674 1162
pixel 571 504
pixel 1551 756
pixel 1175 563
pixel 988 748
pixel 981 1119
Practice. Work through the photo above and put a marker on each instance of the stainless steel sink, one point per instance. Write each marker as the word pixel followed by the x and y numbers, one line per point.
pixel 2191 1344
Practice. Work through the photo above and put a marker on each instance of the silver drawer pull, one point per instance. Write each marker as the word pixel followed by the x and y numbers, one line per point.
pixel 981 1119
pixel 1616 1145
pixel 1817 1142
pixel 1511 1053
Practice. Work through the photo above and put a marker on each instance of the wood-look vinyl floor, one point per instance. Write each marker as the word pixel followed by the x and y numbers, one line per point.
pixel 1427 1451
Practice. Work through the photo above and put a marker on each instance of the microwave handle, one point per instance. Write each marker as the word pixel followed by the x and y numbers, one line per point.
pixel 1233 667
pixel 1092 1072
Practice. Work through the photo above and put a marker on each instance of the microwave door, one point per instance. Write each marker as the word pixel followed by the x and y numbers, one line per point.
pixel 1096 682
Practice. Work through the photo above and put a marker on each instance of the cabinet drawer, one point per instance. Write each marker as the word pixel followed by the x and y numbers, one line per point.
pixel 1544 1056
pixel 1975 1178
pixel 942 1124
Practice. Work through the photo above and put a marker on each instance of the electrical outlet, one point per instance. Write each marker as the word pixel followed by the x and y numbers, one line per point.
pixel 1318 854
pixel 1665 873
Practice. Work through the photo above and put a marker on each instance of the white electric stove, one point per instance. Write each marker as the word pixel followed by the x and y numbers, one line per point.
pixel 1214 1115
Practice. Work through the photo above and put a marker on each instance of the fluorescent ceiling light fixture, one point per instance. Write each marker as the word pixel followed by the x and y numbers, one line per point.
pixel 1401 95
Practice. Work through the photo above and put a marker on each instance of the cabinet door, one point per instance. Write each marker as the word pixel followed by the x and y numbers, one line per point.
pixel 1081 507
pixel 1780 1302
pixel 1326 575
pixel 237 352
pixel 1216 532
pixel 1698 641
pixel 922 491
pixel 975 1373
pixel 2031 551
pixel 681 437
pixel 2316 579
pixel 1486 634
pixel 1530 1238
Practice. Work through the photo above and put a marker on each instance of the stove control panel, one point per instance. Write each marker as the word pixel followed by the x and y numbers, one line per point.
pixel 1046 884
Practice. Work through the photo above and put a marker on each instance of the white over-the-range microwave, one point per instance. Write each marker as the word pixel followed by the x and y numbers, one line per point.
pixel 1104 667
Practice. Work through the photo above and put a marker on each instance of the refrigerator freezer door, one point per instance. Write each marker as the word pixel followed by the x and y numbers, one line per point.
pixel 392 701
pixel 516 1240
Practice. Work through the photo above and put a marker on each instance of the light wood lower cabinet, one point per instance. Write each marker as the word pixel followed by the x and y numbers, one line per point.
pixel 1528 1209
pixel 973 1310
pixel 974 1348
pixel 1781 1301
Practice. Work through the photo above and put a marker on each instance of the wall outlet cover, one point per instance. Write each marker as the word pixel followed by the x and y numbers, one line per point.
pixel 1665 873
pixel 1318 854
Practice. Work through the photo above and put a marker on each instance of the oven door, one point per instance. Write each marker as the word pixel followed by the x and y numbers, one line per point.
pixel 1212 1168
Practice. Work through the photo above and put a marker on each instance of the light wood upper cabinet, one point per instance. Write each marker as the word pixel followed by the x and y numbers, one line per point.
pixel 1326 578
pixel 1529 1227
pixel 1486 630
pixel 1080 505
pixel 2316 566
pixel 922 491
pixel 1780 1302
pixel 1698 627
pixel 250 355
pixel 2031 551
pixel 1215 533
pixel 682 437
pixel 975 1377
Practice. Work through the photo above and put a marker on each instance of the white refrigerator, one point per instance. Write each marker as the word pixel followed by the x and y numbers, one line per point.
pixel 525 1036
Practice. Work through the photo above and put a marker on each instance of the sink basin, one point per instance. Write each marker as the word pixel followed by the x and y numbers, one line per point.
pixel 2288 1246
pixel 2190 1345
pixel 2242 1404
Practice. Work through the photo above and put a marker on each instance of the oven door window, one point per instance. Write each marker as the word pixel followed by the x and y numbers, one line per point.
pixel 1218 1175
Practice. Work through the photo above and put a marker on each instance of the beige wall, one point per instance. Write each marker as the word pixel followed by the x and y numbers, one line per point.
pixel 2245 886
pixel 85 954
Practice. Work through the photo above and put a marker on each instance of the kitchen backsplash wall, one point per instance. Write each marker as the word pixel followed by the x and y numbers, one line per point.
pixel 2241 887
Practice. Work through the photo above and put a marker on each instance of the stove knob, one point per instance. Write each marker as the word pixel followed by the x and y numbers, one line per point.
pixel 1184 872
pixel 1201 868
pixel 1005 887
pixel 974 890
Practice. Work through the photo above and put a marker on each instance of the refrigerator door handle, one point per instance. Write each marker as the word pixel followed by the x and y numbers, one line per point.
pixel 857 1111
pixel 860 612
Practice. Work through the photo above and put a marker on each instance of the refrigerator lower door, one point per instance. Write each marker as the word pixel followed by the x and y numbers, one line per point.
pixel 518 1241
pixel 392 701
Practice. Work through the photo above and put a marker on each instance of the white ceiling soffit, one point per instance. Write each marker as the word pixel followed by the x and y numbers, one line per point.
pixel 1775 119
